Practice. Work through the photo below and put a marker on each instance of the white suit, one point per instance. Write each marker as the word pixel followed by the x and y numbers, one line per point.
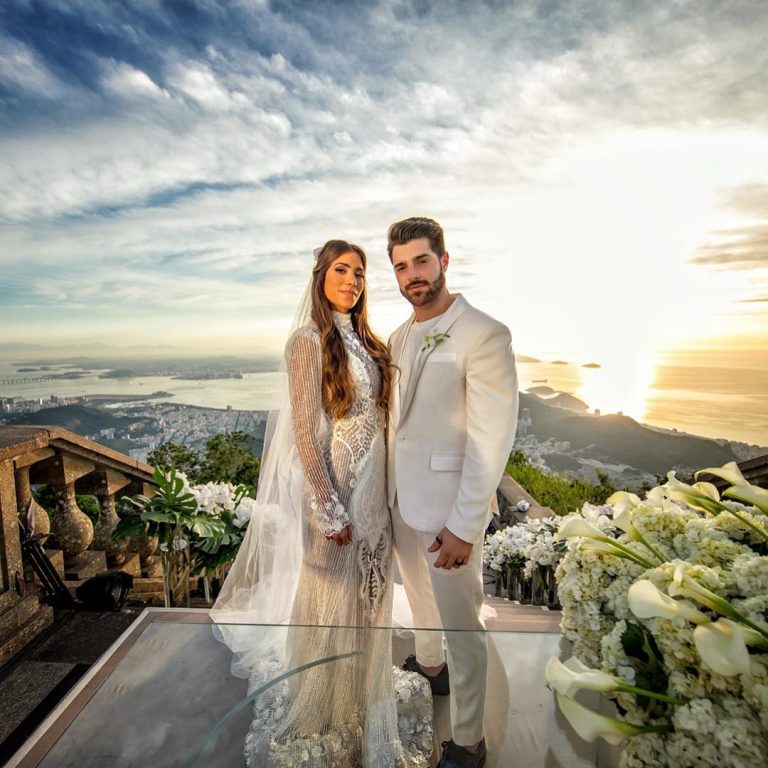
pixel 450 435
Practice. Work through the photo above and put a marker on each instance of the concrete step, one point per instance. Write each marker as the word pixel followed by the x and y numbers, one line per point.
pixel 28 623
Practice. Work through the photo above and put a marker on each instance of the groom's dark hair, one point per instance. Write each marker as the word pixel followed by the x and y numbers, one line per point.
pixel 402 232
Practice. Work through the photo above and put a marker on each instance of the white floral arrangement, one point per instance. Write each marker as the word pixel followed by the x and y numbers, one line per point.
pixel 233 507
pixel 531 543
pixel 213 498
pixel 667 614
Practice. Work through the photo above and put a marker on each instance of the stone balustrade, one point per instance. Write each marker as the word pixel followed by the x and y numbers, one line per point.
pixel 70 465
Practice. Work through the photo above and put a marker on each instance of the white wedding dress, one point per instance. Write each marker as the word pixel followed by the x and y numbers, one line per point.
pixel 358 710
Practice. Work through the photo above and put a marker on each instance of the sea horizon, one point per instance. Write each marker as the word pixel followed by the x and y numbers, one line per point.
pixel 724 398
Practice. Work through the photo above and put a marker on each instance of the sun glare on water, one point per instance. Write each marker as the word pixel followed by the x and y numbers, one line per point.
pixel 621 385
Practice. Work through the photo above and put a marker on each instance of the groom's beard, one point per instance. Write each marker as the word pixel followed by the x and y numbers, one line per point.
pixel 433 290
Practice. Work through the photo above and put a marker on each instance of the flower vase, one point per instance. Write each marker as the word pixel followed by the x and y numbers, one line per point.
pixel 499 585
pixel 540 586
pixel 175 578
pixel 526 591
pixel 553 600
pixel 514 583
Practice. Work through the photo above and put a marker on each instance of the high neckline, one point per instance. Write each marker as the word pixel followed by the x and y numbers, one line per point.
pixel 342 320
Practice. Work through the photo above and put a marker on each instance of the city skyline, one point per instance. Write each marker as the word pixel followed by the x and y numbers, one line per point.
pixel 599 168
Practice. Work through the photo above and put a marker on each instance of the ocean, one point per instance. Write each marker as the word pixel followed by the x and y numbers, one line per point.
pixel 723 395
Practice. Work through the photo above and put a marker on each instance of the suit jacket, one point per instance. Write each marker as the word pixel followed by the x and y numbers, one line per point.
pixel 451 432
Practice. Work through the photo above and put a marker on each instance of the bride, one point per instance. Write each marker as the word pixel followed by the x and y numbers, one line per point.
pixel 318 552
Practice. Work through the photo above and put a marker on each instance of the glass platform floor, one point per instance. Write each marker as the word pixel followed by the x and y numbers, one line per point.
pixel 162 690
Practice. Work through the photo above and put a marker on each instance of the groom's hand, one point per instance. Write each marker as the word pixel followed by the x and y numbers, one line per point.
pixel 454 552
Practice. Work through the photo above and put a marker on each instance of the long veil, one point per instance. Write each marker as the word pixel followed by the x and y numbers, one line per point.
pixel 261 584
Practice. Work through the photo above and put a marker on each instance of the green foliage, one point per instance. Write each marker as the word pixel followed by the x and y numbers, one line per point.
pixel 171 514
pixel 648 661
pixel 217 550
pixel 229 458
pixel 184 459
pixel 90 505
pixel 561 494
pixel 45 496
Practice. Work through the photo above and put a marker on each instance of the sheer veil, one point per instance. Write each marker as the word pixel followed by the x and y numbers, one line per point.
pixel 261 584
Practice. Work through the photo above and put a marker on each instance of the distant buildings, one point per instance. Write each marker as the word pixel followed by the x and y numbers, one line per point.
pixel 140 427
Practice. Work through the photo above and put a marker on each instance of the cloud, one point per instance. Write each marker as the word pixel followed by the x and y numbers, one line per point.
pixel 739 248
pixel 21 68
pixel 200 150
pixel 128 82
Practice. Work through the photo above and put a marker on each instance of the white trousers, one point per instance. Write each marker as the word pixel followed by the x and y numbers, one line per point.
pixel 451 600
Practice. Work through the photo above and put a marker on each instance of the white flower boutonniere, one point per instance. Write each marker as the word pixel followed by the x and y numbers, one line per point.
pixel 432 340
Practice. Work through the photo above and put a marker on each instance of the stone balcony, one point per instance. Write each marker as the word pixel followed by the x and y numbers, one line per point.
pixel 69 465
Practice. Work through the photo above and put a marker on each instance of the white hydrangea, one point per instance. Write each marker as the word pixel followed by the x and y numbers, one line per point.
pixel 724 721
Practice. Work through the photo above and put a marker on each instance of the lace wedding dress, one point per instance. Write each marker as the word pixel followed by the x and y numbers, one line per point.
pixel 357 710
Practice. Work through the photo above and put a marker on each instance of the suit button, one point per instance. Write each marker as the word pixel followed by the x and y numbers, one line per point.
pixel 401 438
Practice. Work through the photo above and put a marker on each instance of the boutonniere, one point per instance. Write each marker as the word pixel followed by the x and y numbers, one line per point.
pixel 432 340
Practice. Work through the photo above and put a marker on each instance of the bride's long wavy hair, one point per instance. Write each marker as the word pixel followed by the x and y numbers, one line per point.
pixel 338 387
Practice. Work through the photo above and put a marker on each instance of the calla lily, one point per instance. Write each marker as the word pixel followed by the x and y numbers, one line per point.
pixel 682 585
pixel 590 725
pixel 749 494
pixel 722 645
pixel 701 496
pixel 578 526
pixel 729 472
pixel 647 601
pixel 622 501
pixel 572 675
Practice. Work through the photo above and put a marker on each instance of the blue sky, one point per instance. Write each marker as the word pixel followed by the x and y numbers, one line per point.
pixel 168 167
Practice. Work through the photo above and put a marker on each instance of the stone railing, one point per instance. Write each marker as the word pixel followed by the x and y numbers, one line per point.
pixel 509 494
pixel 69 465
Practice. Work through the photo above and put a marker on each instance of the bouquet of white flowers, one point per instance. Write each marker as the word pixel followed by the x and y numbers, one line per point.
pixel 232 506
pixel 523 556
pixel 667 612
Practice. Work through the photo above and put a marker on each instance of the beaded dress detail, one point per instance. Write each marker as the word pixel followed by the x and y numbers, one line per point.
pixel 358 710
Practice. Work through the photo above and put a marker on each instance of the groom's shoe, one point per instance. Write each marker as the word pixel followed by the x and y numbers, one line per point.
pixel 439 683
pixel 455 756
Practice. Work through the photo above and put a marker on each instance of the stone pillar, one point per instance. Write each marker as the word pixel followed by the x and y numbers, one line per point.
pixel 71 528
pixel 21 615
pixel 22 466
pixel 104 484
pixel 41 523
pixel 145 546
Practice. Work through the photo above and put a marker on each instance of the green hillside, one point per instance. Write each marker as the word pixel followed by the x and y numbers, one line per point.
pixel 76 418
pixel 619 439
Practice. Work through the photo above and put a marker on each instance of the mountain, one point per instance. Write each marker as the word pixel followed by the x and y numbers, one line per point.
pixel 620 439
pixel 76 418
pixel 564 400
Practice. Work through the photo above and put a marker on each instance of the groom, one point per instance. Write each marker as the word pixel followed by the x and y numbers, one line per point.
pixel 452 424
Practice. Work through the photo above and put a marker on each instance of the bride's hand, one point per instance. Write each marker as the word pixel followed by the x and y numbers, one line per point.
pixel 344 536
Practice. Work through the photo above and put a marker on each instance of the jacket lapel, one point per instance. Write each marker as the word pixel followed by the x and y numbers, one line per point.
pixel 451 315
